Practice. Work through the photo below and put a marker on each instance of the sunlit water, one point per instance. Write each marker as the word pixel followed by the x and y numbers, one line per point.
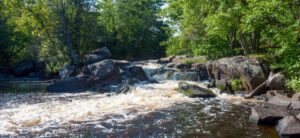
pixel 149 110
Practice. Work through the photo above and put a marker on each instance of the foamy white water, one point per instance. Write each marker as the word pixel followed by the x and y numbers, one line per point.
pixel 95 107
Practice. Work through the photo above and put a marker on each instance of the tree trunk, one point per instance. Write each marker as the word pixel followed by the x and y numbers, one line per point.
pixel 78 24
pixel 68 36
pixel 232 41
pixel 243 44
pixel 255 41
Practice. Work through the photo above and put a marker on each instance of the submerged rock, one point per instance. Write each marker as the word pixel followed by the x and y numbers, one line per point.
pixel 194 91
pixel 124 87
pixel 289 126
pixel 138 73
pixel 72 84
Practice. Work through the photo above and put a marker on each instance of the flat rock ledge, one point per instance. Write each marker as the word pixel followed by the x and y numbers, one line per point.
pixel 287 121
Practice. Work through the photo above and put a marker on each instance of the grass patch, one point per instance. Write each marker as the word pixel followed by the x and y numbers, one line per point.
pixel 191 61
pixel 185 92
pixel 260 56
pixel 222 87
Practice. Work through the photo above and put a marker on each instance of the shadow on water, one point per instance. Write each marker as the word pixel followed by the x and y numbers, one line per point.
pixel 203 118
pixel 22 86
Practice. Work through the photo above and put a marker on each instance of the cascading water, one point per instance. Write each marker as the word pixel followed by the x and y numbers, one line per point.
pixel 148 110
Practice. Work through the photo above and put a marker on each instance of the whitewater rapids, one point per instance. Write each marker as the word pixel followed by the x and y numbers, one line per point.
pixel 93 108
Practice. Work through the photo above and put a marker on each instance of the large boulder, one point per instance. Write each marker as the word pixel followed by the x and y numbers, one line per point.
pixel 282 100
pixel 138 73
pixel 296 97
pixel 67 72
pixel 93 76
pixel 272 93
pixel 24 68
pixel 200 68
pixel 276 81
pixel 194 91
pixel 289 126
pixel 72 84
pixel 122 63
pixel 102 70
pixel 92 58
pixel 186 68
pixel 248 70
pixel 268 114
pixel 96 56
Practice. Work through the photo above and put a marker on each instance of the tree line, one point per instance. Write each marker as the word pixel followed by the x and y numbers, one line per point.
pixel 266 29
pixel 60 32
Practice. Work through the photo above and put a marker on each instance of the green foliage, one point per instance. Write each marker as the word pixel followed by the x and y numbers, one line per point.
pixel 237 84
pixel 263 29
pixel 134 28
pixel 222 87
pixel 261 56
pixel 61 32
pixel 294 84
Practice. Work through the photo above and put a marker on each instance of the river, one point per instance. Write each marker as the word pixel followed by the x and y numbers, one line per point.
pixel 148 110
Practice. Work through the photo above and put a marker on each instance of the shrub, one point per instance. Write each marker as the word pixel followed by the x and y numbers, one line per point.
pixel 294 84
pixel 237 84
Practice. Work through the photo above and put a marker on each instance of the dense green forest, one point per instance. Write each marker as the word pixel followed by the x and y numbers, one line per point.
pixel 60 32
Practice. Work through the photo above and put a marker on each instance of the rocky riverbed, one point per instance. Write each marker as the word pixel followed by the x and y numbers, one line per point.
pixel 132 90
